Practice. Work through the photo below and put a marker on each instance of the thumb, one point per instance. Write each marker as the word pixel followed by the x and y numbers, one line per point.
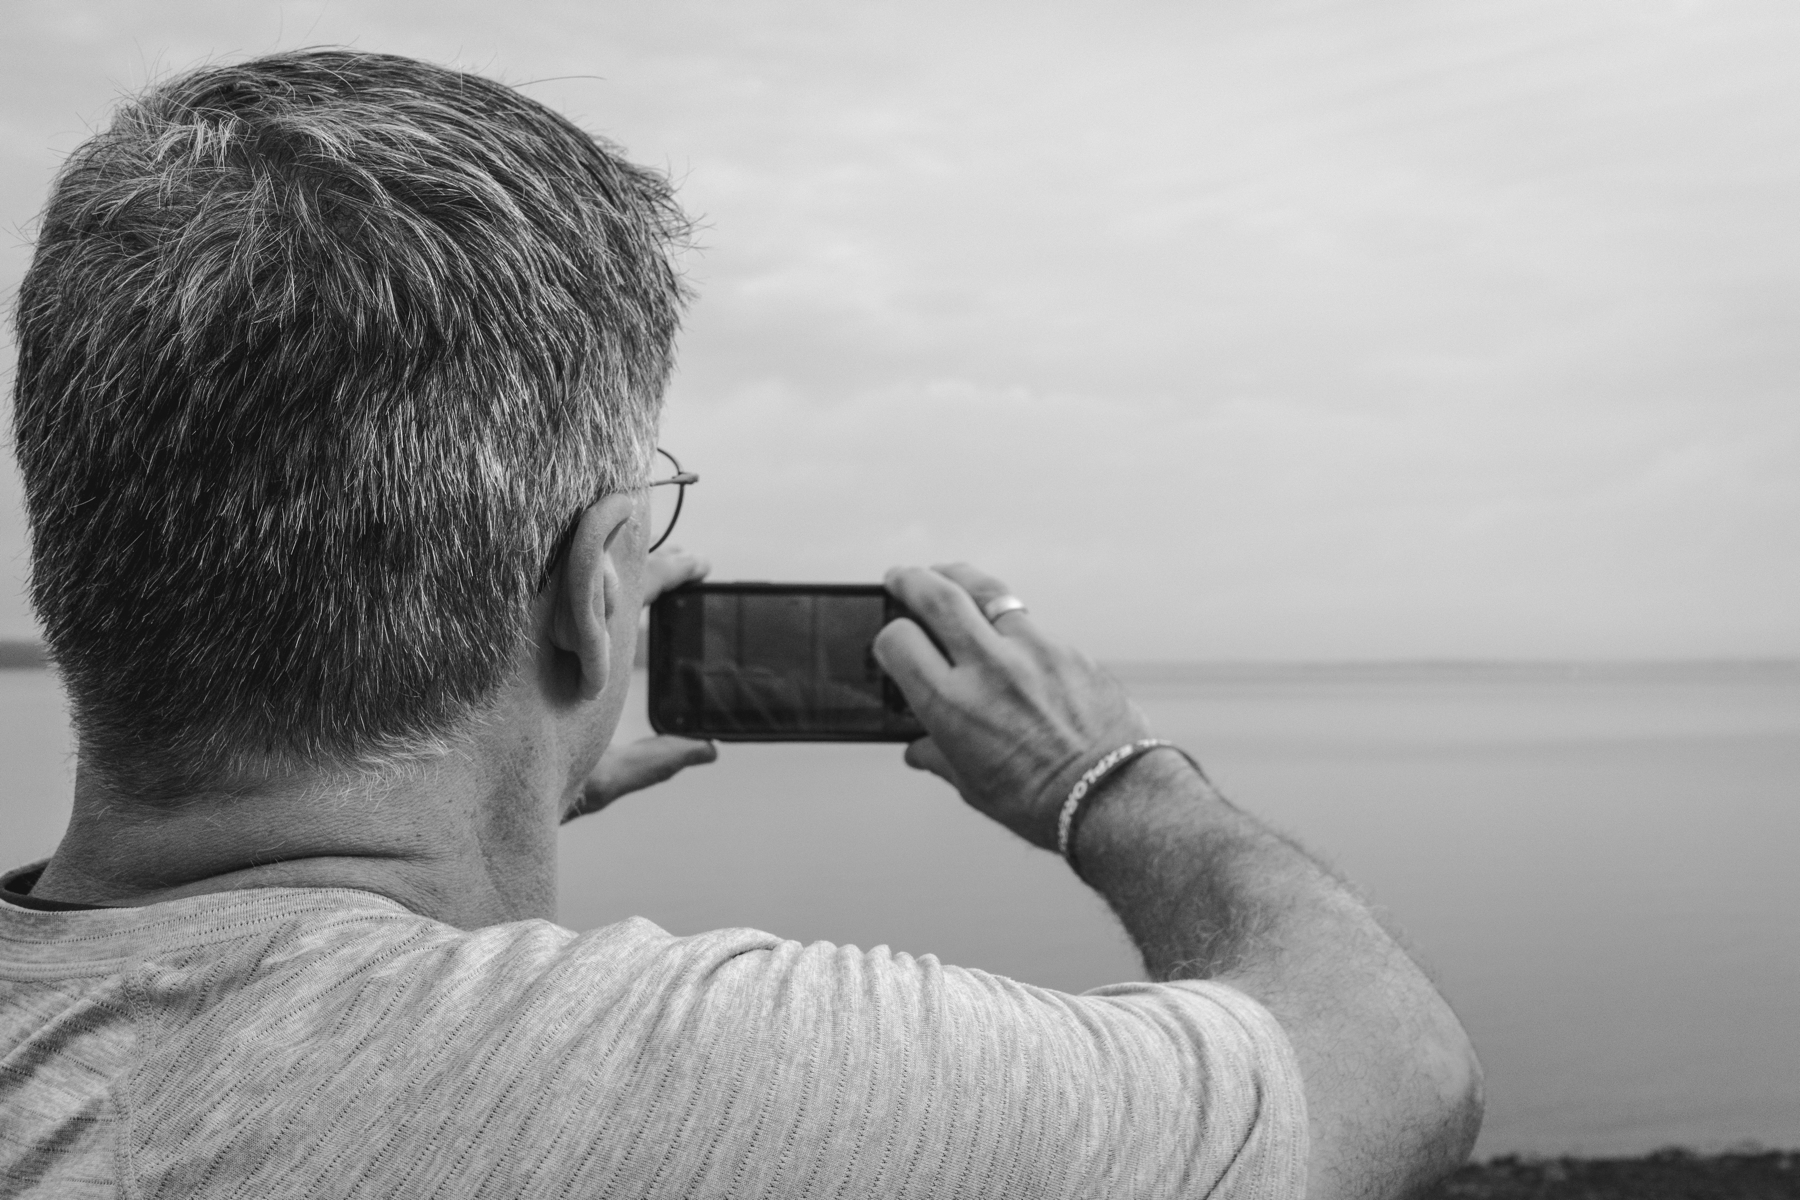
pixel 924 755
pixel 638 765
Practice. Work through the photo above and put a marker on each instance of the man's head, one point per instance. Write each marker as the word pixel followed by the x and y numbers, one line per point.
pixel 319 356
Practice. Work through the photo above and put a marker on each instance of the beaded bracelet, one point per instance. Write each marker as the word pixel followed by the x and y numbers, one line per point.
pixel 1074 809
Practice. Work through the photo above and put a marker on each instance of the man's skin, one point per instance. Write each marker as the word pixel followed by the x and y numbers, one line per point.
pixel 469 837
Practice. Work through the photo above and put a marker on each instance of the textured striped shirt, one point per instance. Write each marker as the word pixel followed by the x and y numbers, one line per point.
pixel 290 1042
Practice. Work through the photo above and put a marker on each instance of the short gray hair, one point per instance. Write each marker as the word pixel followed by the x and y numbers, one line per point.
pixel 319 357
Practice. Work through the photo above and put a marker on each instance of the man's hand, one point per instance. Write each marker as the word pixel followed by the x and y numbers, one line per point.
pixel 647 761
pixel 669 568
pixel 1014 717
pixel 637 765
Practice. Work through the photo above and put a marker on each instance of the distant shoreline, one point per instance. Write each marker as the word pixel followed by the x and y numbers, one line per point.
pixel 22 655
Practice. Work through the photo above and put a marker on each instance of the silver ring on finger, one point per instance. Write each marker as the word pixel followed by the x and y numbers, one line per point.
pixel 999 606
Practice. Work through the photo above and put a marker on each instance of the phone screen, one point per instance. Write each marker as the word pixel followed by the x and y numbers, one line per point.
pixel 775 662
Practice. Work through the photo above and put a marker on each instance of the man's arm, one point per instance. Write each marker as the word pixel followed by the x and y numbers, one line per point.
pixel 1393 1088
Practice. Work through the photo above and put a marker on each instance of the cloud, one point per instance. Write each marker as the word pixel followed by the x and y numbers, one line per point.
pixel 1292 329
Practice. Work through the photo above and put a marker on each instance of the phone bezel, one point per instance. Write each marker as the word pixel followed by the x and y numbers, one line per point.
pixel 661 652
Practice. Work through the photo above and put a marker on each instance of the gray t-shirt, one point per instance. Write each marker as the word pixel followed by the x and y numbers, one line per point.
pixel 326 1043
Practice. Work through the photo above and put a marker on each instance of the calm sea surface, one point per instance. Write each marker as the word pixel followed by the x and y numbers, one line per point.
pixel 1597 863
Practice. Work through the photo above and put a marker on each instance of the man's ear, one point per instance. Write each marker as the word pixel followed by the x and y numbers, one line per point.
pixel 589 591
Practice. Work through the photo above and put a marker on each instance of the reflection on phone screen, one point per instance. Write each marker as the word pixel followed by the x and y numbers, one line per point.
pixel 765 663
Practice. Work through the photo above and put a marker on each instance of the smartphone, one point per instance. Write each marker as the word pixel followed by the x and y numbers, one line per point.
pixel 775 662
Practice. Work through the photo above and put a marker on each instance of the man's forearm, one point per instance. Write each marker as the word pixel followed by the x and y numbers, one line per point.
pixel 1206 891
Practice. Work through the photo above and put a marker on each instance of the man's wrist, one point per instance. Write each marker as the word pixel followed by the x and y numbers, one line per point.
pixel 1146 802
pixel 1091 786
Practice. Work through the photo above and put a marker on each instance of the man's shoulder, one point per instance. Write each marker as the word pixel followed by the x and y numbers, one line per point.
pixel 366 1016
pixel 275 965
pixel 317 951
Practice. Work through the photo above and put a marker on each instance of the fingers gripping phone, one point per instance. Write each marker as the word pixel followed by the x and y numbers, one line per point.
pixel 775 662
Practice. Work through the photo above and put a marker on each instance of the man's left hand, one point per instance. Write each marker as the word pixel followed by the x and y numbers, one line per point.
pixel 635 765
pixel 627 768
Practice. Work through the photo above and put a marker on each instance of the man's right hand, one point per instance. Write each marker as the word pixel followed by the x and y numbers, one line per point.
pixel 1393 1090
pixel 1014 717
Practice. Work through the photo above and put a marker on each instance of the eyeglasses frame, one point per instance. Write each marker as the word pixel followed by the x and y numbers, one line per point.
pixel 681 479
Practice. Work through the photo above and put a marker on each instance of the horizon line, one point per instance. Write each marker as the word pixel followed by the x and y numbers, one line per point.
pixel 26 654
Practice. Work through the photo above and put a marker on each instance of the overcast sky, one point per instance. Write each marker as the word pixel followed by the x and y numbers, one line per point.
pixel 1222 329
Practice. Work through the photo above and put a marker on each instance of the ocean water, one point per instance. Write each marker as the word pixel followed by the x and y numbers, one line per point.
pixel 1595 862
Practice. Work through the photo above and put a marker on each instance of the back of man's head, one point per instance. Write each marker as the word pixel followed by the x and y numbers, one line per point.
pixel 319 356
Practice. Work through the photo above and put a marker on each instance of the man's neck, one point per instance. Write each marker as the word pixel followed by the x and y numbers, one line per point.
pixel 467 837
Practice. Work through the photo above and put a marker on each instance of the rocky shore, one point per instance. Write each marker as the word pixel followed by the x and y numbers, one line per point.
pixel 1664 1175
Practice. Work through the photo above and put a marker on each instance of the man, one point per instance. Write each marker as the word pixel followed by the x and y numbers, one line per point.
pixel 338 385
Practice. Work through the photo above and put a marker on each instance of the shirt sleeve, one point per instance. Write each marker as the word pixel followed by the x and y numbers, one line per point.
pixel 761 1067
